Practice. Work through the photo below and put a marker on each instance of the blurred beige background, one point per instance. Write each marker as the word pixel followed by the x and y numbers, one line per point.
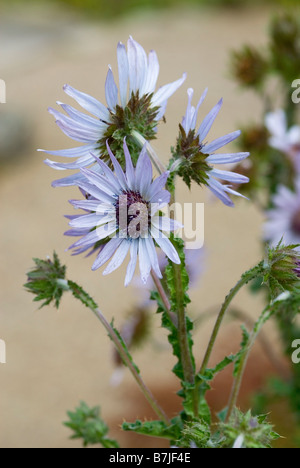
pixel 57 358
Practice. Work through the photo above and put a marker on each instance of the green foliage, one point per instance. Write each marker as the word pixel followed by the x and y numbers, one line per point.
pixel 195 434
pixel 82 295
pixel 192 165
pixel 178 284
pixel 125 349
pixel 104 10
pixel 244 345
pixel 256 432
pixel 47 281
pixel 280 268
pixel 140 116
pixel 87 425
pixel 155 428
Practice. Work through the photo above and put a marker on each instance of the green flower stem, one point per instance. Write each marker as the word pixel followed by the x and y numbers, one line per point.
pixel 153 156
pixel 185 352
pixel 163 297
pixel 145 390
pixel 187 364
pixel 244 280
pixel 266 314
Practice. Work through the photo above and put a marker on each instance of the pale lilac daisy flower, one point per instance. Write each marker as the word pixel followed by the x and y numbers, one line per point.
pixel 283 221
pixel 196 157
pixel 122 213
pixel 283 138
pixel 134 106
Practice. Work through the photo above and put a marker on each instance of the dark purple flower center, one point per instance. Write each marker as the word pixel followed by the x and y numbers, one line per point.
pixel 296 223
pixel 133 214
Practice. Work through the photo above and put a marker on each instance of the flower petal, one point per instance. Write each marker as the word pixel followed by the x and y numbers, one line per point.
pixel 229 176
pixel 123 72
pixel 228 158
pixel 144 260
pixel 118 169
pixel 106 253
pixel 118 257
pixel 111 90
pixel 89 103
pixel 132 263
pixel 152 254
pixel 219 191
pixel 168 248
pixel 166 91
pixel 220 142
pixel 163 223
pixel 209 120
pixel 152 74
pixel 71 152
pixel 143 172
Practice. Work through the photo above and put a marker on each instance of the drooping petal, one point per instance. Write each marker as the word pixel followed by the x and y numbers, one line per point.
pixel 164 243
pixel 106 253
pixel 132 263
pixel 144 260
pixel 72 152
pixel 229 176
pixel 118 257
pixel 153 256
pixel 219 190
pixel 130 173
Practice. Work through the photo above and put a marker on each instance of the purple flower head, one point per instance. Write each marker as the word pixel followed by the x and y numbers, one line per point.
pixel 122 216
pixel 134 106
pixel 196 157
pixel 283 220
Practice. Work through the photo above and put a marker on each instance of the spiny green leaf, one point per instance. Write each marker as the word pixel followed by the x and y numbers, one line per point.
pixel 87 425
pixel 82 295
pixel 47 281
pixel 155 428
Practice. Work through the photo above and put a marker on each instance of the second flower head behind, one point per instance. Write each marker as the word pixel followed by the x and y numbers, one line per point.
pixel 135 106
pixel 194 158
pixel 122 216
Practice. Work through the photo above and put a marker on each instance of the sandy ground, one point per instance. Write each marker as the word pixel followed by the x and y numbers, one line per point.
pixel 55 359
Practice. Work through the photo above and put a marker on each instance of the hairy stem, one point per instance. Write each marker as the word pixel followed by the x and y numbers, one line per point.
pixel 244 359
pixel 145 390
pixel 163 297
pixel 244 280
